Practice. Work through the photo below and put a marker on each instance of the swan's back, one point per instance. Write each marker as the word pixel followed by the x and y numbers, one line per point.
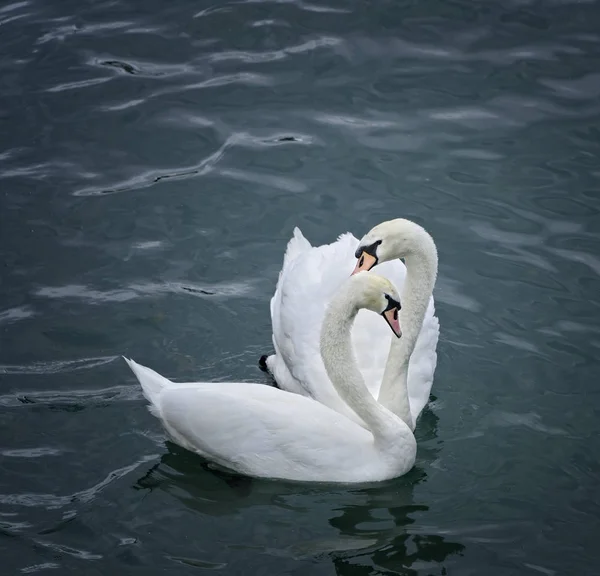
pixel 261 431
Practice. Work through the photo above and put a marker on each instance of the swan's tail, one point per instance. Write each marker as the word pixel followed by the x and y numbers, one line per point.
pixel 152 384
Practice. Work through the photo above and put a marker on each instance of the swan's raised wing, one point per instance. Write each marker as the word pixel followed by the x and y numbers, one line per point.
pixel 305 287
pixel 297 245
pixel 276 363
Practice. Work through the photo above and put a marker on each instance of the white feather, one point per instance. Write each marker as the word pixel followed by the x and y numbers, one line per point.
pixel 308 280
pixel 259 430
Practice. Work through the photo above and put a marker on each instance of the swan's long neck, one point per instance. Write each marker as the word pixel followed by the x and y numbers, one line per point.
pixel 339 361
pixel 421 272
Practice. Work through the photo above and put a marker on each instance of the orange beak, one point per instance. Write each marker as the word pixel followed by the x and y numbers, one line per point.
pixel 392 319
pixel 365 262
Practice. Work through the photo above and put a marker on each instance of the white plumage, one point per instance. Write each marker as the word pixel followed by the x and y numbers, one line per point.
pixel 308 280
pixel 261 431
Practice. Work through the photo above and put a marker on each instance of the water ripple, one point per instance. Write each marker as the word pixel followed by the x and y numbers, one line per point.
pixel 308 6
pixel 15 314
pixel 449 292
pixel 209 165
pixel 516 342
pixel 53 501
pixel 56 366
pixel 584 88
pixel 39 452
pixel 153 177
pixel 79 84
pixel 274 55
pixel 39 567
pixel 82 292
pixel 63 32
pixel 244 78
pixel 71 398
pixel 529 420
pixel 14 6
pixel 140 68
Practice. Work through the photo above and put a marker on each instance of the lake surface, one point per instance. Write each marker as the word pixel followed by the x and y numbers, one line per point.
pixel 154 159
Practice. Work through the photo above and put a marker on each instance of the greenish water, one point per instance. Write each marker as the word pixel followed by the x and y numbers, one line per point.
pixel 154 160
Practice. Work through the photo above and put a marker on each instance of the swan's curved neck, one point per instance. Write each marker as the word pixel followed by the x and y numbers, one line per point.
pixel 421 272
pixel 340 364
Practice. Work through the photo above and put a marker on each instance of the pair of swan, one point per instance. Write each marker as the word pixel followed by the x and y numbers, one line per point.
pixel 309 280
pixel 325 425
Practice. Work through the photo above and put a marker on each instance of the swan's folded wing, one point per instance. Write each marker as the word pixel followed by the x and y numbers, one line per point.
pixel 305 289
pixel 258 430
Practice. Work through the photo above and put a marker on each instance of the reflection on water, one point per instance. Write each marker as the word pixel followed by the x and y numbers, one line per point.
pixel 372 524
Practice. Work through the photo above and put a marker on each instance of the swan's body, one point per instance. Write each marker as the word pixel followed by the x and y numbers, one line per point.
pixel 258 430
pixel 308 280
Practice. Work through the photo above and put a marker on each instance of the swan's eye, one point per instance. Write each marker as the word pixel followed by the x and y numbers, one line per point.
pixel 361 261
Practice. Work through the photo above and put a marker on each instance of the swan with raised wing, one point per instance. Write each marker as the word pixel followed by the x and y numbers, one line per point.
pixel 307 281
pixel 258 430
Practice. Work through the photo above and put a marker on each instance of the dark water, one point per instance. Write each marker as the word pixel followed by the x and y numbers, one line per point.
pixel 154 159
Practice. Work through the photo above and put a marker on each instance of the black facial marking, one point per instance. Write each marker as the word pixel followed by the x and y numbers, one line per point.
pixel 371 250
pixel 392 304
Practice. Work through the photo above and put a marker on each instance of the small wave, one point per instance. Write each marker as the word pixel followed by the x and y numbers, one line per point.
pixel 149 245
pixel 152 177
pixel 245 78
pixel 140 67
pixel 529 420
pixel 62 32
pixel 42 171
pixel 77 553
pixel 13 6
pixel 53 501
pixel 15 314
pixel 81 292
pixel 278 182
pixel 589 260
pixel 306 6
pixel 56 366
pixel 79 84
pixel 448 292
pixel 31 452
pixel 72 398
pixel 518 343
pixel 39 567
pixel 274 55
pixel 123 105
pixel 7 525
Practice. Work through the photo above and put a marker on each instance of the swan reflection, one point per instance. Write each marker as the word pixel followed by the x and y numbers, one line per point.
pixel 363 529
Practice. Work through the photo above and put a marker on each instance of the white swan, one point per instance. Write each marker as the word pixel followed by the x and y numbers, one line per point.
pixel 258 430
pixel 307 281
